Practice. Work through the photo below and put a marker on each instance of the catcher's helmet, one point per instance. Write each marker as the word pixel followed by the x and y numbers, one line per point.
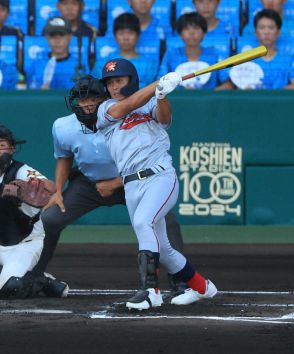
pixel 122 67
pixel 87 86
pixel 7 134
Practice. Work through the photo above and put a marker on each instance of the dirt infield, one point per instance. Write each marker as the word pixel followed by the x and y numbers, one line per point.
pixel 253 312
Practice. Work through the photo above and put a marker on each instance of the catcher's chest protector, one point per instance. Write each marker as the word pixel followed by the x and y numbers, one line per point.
pixel 14 224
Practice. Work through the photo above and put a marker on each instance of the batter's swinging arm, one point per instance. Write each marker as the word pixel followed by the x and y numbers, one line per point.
pixel 231 61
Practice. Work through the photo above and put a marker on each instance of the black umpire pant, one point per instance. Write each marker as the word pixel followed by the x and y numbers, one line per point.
pixel 81 197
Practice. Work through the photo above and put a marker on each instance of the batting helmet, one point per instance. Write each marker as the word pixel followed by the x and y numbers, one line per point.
pixel 87 86
pixel 122 67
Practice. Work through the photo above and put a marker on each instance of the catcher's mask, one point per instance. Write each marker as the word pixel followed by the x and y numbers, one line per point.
pixel 86 87
pixel 122 67
pixel 5 158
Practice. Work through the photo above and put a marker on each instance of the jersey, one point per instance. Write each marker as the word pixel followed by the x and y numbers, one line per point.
pixel 176 56
pixel 278 72
pixel 89 150
pixel 138 141
pixel 145 65
pixel 62 76
pixel 25 172
pixel 8 75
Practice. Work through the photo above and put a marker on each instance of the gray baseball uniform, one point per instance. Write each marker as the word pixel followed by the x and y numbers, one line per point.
pixel 139 142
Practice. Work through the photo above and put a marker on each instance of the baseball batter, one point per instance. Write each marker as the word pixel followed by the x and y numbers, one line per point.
pixel 21 231
pixel 134 124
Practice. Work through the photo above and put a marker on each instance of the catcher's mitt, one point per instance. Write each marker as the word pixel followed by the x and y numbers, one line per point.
pixel 32 192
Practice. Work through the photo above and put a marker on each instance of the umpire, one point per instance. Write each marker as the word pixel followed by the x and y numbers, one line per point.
pixel 95 181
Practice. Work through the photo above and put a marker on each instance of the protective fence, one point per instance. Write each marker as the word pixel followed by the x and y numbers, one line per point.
pixel 233 151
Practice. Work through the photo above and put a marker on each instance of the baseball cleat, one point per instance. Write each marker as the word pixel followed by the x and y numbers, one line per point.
pixel 145 299
pixel 189 296
pixel 54 287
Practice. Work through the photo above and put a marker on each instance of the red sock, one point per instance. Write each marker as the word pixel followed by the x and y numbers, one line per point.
pixel 197 283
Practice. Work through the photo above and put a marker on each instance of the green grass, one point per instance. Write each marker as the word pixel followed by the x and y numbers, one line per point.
pixel 191 234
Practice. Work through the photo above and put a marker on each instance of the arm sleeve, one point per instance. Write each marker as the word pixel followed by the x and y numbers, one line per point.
pixel 104 119
pixel 59 150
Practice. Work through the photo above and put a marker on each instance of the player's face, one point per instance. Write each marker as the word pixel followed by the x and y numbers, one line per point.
pixel 70 9
pixel 267 31
pixel 126 39
pixel 276 5
pixel 192 35
pixel 141 7
pixel 59 43
pixel 89 104
pixel 5 147
pixel 115 84
pixel 3 13
pixel 206 8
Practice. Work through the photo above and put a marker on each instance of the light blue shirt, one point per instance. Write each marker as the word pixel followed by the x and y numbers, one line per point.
pixel 63 77
pixel 8 75
pixel 177 56
pixel 89 150
pixel 278 72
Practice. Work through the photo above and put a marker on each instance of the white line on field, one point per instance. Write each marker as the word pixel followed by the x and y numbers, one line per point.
pixel 269 320
pixel 35 311
pixel 86 292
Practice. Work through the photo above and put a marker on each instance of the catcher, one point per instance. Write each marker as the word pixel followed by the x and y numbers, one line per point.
pixel 23 192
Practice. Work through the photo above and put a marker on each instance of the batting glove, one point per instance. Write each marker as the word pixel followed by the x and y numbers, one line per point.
pixel 167 84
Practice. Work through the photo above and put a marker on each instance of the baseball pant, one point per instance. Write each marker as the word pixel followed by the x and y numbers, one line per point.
pixel 148 203
pixel 18 259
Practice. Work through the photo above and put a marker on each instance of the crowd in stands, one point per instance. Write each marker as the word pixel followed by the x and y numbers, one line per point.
pixel 48 44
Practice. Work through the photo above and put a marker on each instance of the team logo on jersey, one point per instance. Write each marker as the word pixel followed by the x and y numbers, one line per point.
pixel 33 174
pixel 135 119
pixel 111 66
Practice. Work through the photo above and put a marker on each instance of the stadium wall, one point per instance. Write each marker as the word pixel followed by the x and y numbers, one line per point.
pixel 233 151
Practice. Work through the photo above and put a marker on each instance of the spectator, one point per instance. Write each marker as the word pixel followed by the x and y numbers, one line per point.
pixel 11 31
pixel 276 5
pixel 218 32
pixel 72 10
pixel 191 57
pixel 126 29
pixel 60 69
pixel 275 70
pixel 7 30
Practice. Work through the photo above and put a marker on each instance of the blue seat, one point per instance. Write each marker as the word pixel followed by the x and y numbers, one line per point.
pixel 105 46
pixel 37 47
pixel 8 52
pixel 18 15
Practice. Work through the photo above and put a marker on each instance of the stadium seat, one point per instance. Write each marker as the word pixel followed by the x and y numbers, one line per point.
pixel 37 47
pixel 8 52
pixel 18 15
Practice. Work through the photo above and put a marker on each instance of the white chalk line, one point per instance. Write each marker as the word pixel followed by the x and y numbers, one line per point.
pixel 266 320
pixel 93 292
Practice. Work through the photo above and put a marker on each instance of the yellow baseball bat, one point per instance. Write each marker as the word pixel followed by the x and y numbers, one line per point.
pixel 231 61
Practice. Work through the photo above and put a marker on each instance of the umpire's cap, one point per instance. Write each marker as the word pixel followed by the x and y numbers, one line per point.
pixel 122 67
pixel 7 134
pixel 57 24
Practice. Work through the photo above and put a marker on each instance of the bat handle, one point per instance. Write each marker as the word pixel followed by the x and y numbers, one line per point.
pixel 189 76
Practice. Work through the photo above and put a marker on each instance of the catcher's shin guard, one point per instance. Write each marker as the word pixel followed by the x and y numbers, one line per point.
pixel 16 288
pixel 148 295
